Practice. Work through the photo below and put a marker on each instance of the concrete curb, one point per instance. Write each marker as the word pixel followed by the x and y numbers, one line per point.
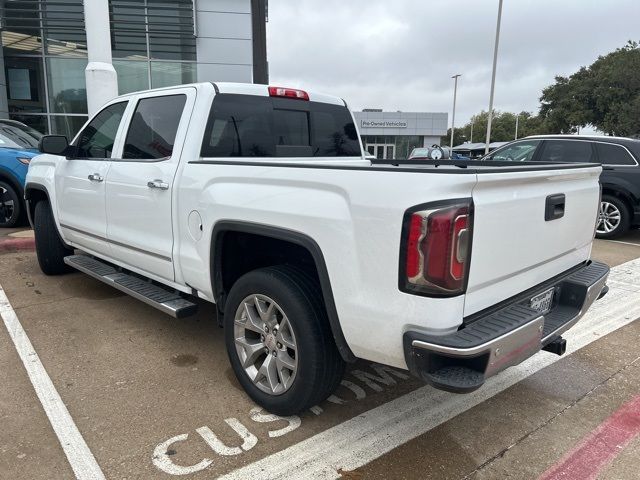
pixel 14 244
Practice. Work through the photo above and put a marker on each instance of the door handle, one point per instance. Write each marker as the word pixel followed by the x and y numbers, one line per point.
pixel 159 184
pixel 95 177
pixel 554 207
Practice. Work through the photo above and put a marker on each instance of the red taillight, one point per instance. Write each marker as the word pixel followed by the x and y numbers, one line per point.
pixel 437 250
pixel 414 260
pixel 288 93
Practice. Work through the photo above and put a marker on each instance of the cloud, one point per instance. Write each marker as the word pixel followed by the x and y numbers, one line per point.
pixel 401 54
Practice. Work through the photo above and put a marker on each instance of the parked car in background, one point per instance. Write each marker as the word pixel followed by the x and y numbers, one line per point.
pixel 18 145
pixel 620 178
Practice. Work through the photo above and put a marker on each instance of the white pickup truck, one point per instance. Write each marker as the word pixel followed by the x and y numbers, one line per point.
pixel 261 200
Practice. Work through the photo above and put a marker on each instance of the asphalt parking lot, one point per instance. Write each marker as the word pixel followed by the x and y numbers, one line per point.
pixel 149 396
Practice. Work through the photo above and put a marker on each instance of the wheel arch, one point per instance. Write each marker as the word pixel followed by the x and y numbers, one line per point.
pixel 621 193
pixel 33 193
pixel 13 181
pixel 220 290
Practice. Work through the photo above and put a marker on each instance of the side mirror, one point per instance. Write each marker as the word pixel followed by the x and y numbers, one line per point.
pixel 53 144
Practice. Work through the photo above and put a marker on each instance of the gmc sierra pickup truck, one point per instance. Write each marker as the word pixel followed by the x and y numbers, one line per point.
pixel 261 200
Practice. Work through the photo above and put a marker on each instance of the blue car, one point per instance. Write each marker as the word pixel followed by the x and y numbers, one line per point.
pixel 18 145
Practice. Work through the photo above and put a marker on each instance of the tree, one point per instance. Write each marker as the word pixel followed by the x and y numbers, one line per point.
pixel 606 94
pixel 503 127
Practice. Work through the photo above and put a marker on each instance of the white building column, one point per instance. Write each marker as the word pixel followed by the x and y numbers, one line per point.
pixel 102 81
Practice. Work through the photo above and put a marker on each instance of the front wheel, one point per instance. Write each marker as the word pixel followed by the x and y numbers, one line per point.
pixel 49 246
pixel 614 218
pixel 279 342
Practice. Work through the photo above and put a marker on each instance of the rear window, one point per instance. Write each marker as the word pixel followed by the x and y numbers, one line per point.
pixel 569 151
pixel 609 154
pixel 252 126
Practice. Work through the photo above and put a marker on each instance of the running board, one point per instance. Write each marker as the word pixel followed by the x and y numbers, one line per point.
pixel 161 298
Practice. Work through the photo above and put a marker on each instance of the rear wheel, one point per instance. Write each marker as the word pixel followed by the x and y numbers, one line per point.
pixel 10 206
pixel 279 341
pixel 614 218
pixel 49 246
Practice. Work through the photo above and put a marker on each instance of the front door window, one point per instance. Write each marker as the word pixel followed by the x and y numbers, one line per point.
pixel 98 137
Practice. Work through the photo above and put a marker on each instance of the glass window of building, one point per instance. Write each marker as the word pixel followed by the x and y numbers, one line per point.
pixel 157 38
pixel 67 87
pixel 45 54
pixel 41 82
pixel 63 24
pixel 133 75
pixel 167 74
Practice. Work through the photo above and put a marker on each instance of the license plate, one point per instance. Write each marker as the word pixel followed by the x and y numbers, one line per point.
pixel 542 302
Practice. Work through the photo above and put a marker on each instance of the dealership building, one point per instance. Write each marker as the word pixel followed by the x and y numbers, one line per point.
pixel 394 134
pixel 60 59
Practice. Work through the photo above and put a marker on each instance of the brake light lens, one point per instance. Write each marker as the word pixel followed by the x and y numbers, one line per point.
pixel 437 247
pixel 288 93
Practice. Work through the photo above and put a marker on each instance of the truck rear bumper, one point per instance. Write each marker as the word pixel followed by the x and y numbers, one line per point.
pixel 504 336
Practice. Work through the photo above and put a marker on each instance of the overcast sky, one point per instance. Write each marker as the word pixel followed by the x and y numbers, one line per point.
pixel 401 54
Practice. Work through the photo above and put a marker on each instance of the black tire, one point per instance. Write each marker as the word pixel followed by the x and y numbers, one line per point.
pixel 11 206
pixel 49 246
pixel 319 364
pixel 625 218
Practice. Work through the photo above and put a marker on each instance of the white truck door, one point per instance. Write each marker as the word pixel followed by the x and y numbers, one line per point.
pixel 80 181
pixel 140 183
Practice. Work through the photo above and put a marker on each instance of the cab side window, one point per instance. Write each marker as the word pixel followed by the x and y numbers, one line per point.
pixel 153 128
pixel 97 138
pixel 570 151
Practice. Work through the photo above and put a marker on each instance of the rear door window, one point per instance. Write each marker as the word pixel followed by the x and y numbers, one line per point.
pixel 153 128
pixel 569 151
pixel 253 126
pixel 610 154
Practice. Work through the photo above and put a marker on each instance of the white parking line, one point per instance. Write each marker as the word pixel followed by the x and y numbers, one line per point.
pixel 624 243
pixel 362 439
pixel 82 461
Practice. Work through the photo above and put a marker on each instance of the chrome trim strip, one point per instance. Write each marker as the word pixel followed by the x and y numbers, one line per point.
pixel 478 349
pixel 113 242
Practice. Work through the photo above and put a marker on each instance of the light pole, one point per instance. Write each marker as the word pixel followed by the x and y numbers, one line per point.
pixel 453 116
pixel 493 78
pixel 517 117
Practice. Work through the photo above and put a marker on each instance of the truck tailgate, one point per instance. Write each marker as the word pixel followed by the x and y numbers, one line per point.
pixel 514 246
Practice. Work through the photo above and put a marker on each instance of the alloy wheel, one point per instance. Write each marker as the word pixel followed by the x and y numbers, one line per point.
pixel 265 344
pixel 609 218
pixel 7 206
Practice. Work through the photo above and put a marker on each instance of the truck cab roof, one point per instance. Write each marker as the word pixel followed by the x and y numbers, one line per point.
pixel 247 89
